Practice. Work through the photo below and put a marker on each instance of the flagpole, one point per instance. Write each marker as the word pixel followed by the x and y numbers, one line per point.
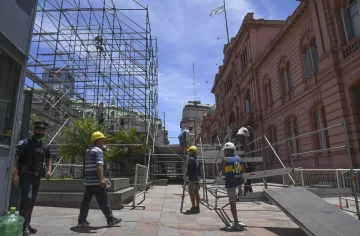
pixel 227 28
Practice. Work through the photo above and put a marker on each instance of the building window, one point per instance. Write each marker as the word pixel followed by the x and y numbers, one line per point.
pixel 268 93
pixel 351 19
pixel 319 125
pixel 248 107
pixel 287 79
pixel 112 114
pixel 10 72
pixel 310 57
pixel 357 97
pixel 293 131
pixel 273 141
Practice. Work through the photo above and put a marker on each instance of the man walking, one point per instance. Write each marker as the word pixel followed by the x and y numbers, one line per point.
pixel 193 174
pixel 232 168
pixel 242 134
pixel 95 183
pixel 28 168
pixel 185 138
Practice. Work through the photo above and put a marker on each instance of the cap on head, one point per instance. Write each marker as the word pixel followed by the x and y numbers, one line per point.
pixel 248 127
pixel 96 136
pixel 40 125
pixel 193 148
pixel 190 127
pixel 229 145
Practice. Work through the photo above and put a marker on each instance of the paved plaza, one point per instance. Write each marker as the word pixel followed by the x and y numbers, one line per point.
pixel 162 217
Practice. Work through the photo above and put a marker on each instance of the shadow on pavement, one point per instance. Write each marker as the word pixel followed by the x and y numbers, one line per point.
pixel 286 231
pixel 228 229
pixel 90 229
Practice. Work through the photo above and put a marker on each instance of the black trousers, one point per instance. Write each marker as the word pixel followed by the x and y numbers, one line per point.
pixel 101 198
pixel 29 188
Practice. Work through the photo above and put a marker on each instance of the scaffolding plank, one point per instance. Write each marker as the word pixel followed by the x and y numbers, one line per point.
pixel 312 214
pixel 267 173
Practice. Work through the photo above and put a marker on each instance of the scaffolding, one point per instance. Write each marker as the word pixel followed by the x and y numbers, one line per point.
pixel 94 60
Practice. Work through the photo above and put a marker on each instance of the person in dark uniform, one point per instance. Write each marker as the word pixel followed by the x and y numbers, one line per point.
pixel 31 154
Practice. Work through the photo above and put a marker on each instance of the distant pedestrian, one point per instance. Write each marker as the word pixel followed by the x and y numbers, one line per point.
pixel 184 138
pixel 95 183
pixel 242 135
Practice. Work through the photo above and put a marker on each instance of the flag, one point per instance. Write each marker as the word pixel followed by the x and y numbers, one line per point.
pixel 217 11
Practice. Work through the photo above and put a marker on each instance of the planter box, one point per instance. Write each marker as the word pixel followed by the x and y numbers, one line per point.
pixel 77 185
pixel 73 200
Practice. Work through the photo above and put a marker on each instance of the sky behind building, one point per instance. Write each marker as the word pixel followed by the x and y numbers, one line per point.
pixel 187 33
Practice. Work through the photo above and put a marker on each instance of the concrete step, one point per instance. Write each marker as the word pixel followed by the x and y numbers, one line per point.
pixel 73 200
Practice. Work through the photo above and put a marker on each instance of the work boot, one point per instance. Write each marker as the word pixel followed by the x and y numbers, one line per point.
pixel 112 221
pixel 197 209
pixel 83 224
pixel 26 231
pixel 32 230
pixel 192 210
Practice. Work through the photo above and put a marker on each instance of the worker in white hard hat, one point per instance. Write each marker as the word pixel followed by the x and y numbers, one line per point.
pixel 242 134
pixel 232 169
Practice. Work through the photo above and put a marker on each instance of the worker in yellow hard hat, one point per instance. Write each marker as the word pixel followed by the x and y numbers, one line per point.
pixel 193 174
pixel 95 183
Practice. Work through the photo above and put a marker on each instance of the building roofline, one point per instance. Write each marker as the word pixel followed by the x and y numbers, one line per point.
pixel 299 11
pixel 248 22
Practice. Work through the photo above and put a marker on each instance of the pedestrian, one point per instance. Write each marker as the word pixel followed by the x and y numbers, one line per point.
pixel 30 156
pixel 232 169
pixel 193 174
pixel 95 183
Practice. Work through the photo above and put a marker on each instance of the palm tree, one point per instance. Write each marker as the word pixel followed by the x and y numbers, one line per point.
pixel 123 150
pixel 76 139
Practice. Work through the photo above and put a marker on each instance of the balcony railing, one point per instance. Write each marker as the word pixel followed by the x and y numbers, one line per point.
pixel 351 47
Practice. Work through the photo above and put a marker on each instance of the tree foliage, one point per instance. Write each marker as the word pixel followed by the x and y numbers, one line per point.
pixel 76 138
pixel 124 151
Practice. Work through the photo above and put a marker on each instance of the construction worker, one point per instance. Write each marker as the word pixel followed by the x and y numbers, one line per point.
pixel 242 134
pixel 232 169
pixel 193 174
pixel 95 183
pixel 184 138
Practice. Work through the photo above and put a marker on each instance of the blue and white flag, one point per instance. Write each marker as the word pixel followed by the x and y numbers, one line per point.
pixel 217 11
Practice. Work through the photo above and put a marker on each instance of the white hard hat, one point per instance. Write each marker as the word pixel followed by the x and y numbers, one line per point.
pixel 229 145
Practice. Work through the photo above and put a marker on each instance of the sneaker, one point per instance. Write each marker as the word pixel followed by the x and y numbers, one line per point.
pixel 83 224
pixel 237 226
pixel 192 210
pixel 112 221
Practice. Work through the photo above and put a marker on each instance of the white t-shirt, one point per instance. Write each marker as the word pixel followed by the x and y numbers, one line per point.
pixel 243 131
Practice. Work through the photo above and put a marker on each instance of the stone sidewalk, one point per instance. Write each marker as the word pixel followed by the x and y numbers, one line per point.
pixel 162 217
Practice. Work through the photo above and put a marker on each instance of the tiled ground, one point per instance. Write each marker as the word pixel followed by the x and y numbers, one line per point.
pixel 162 217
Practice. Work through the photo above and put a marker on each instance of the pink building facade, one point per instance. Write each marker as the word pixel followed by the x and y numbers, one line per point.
pixel 288 78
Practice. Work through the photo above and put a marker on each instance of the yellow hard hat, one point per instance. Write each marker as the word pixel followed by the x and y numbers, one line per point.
pixel 193 148
pixel 96 136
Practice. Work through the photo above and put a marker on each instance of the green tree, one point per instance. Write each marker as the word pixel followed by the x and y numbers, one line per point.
pixel 123 151
pixel 76 139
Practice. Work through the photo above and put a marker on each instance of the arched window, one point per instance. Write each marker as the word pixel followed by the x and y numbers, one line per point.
pixel 287 80
pixel 268 93
pixel 319 125
pixel 310 57
pixel 273 140
pixel 248 106
pixel 293 131
pixel 351 19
